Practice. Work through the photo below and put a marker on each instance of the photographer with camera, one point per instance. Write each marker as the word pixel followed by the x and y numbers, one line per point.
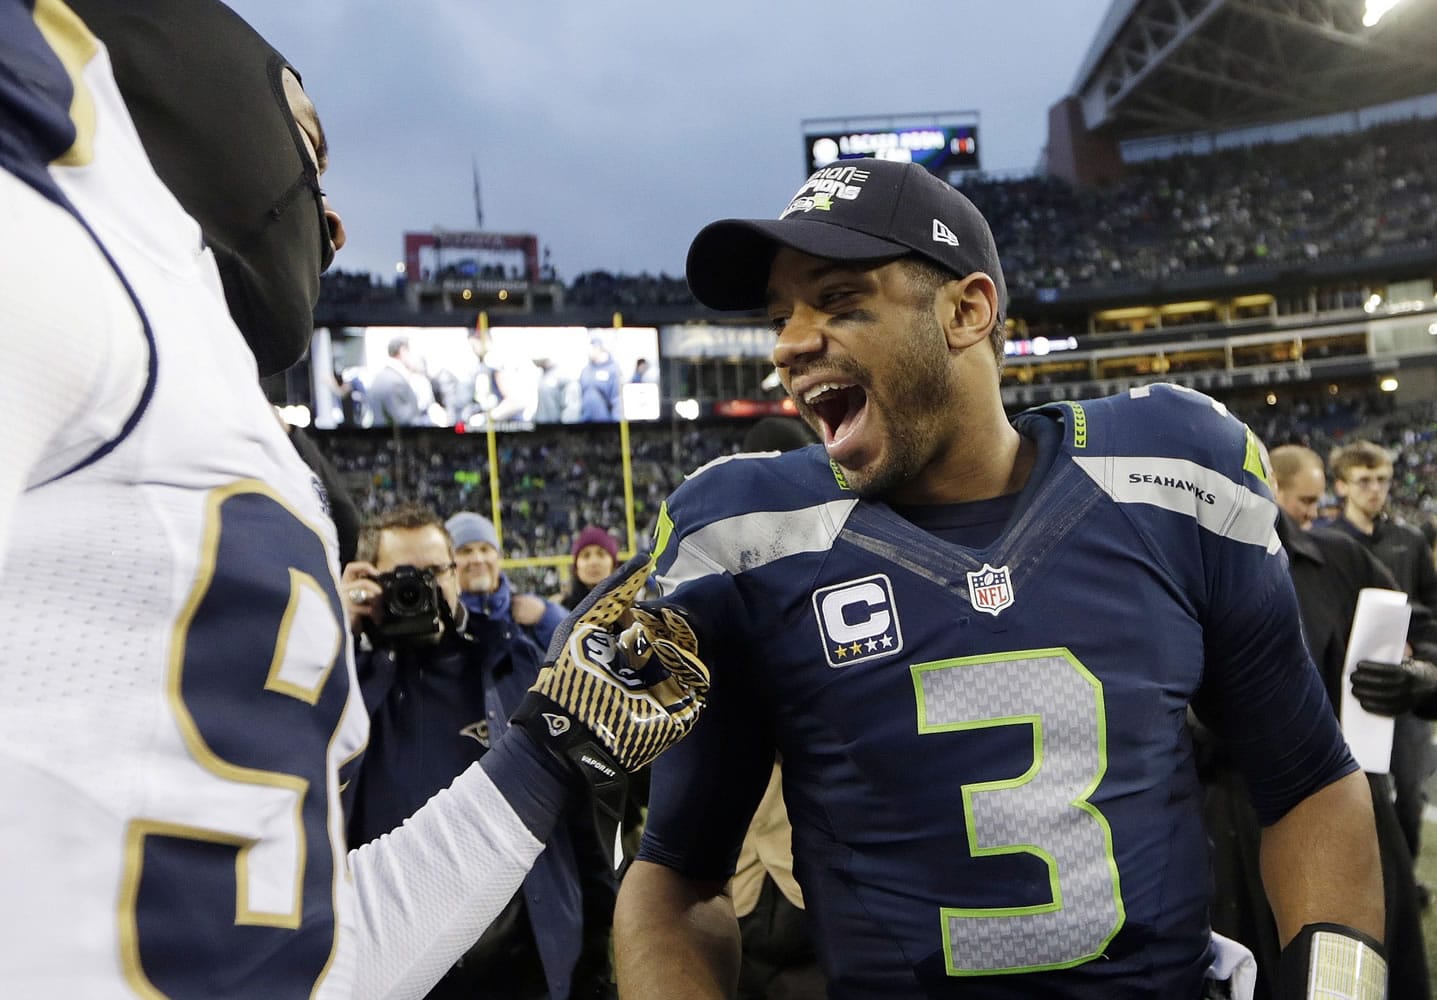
pixel 440 681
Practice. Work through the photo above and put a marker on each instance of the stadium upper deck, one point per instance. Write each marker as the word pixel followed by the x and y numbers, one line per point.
pixel 1164 67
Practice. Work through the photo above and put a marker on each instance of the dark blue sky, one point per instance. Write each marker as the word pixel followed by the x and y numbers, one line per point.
pixel 615 131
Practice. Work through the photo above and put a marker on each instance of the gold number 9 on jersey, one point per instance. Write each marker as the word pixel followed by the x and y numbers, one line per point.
pixel 229 878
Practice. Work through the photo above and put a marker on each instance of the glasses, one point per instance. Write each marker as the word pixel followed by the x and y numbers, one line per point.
pixel 438 571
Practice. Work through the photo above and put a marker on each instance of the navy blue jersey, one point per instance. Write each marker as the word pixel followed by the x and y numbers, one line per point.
pixel 985 749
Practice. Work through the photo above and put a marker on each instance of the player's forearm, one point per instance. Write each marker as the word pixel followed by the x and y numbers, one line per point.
pixel 674 939
pixel 429 889
pixel 1320 862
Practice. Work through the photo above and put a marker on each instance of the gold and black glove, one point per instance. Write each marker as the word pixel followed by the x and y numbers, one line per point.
pixel 623 682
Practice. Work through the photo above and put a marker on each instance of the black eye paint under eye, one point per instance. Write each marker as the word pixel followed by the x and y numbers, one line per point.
pixel 854 316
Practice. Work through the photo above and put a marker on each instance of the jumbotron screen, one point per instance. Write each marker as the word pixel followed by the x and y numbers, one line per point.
pixel 942 149
pixel 383 376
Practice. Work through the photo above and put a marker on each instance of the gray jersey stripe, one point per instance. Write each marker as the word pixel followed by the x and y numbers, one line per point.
pixel 1226 508
pixel 748 541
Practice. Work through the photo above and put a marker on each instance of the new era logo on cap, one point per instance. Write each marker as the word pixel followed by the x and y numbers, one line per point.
pixel 942 234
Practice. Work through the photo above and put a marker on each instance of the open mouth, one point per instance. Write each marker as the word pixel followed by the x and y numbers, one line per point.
pixel 839 408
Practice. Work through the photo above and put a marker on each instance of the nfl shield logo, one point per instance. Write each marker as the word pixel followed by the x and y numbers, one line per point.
pixel 990 589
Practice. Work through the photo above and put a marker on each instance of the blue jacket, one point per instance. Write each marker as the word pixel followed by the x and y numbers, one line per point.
pixel 497 607
pixel 436 710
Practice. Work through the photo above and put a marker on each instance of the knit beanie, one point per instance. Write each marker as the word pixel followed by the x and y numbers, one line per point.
pixel 466 527
pixel 593 535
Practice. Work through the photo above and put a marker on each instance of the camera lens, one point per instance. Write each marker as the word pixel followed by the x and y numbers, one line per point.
pixel 409 596
pixel 411 605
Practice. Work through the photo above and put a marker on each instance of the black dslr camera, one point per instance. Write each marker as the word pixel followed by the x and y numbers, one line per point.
pixel 412 608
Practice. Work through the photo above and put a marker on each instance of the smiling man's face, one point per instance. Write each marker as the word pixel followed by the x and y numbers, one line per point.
pixel 864 357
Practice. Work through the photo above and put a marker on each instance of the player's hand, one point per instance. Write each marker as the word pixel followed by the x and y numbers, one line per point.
pixel 1393 688
pixel 527 609
pixel 620 674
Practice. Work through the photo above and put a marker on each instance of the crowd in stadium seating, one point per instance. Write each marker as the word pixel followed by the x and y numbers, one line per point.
pixel 600 288
pixel 1343 197
pixel 1319 198
pixel 350 287
pixel 553 481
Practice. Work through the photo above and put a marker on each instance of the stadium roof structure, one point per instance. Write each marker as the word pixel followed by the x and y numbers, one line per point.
pixel 1176 67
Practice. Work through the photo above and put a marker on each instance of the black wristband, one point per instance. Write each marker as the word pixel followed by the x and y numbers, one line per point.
pixel 1345 961
pixel 573 744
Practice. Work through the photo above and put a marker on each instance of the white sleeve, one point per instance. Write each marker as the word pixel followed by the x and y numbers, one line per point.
pixel 429 889
pixel 75 355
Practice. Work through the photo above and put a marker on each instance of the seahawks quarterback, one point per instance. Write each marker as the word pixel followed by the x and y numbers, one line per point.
pixel 974 644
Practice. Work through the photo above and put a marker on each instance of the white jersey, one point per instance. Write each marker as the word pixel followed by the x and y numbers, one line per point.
pixel 179 696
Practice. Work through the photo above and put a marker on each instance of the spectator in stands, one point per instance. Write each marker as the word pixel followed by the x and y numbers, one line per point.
pixel 596 554
pixel 1362 479
pixel 439 694
pixel 1328 571
pixel 1329 509
pixel 599 384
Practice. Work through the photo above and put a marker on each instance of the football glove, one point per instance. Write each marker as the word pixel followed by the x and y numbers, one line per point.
pixel 1332 960
pixel 1393 688
pixel 623 682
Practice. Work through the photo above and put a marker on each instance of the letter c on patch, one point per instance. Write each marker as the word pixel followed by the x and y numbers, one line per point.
pixel 871 595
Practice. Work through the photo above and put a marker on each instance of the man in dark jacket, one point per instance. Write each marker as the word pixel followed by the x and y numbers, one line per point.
pixel 1328 571
pixel 437 699
pixel 1362 479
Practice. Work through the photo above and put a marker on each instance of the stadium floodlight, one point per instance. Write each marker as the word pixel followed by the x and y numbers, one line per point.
pixel 1388 385
pixel 688 409
pixel 1376 11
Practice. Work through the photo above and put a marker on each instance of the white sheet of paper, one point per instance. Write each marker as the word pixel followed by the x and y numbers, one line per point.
pixel 1379 632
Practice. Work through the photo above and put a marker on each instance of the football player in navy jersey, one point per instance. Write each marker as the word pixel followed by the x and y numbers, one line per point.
pixel 974 643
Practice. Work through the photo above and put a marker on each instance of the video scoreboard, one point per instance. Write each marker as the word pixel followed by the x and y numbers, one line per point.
pixel 942 149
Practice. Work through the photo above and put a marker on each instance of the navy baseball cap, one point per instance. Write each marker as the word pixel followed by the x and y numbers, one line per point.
pixel 854 210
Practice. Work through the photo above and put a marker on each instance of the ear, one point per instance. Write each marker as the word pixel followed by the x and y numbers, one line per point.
pixel 966 309
pixel 1339 486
